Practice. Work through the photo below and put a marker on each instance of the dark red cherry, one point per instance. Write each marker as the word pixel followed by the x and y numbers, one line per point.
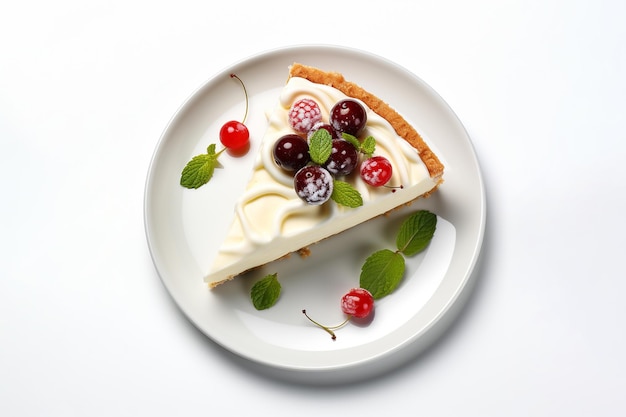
pixel 291 152
pixel 343 158
pixel 327 127
pixel 313 184
pixel 348 116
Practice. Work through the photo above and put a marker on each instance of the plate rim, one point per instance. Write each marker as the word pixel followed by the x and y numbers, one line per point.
pixel 401 352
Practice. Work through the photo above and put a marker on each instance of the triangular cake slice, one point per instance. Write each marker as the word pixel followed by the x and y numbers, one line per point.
pixel 271 221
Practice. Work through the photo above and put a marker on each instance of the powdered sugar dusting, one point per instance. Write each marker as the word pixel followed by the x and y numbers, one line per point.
pixel 304 114
pixel 376 171
pixel 313 184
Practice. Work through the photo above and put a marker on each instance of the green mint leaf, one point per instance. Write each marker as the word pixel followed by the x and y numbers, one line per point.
pixel 382 272
pixel 200 169
pixel 210 150
pixel 368 146
pixel 265 292
pixel 416 232
pixel 346 195
pixel 320 146
pixel 352 139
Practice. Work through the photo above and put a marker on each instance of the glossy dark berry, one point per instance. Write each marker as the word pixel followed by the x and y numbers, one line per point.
pixel 348 116
pixel 343 158
pixel 313 184
pixel 358 302
pixel 291 152
pixel 376 171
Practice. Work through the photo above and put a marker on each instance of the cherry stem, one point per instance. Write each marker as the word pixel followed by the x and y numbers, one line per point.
pixel 245 92
pixel 394 187
pixel 328 329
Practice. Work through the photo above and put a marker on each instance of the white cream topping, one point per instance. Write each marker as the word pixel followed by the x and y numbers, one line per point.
pixel 272 221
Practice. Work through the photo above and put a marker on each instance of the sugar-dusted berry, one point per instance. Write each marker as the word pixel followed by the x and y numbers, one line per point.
pixel 376 171
pixel 358 302
pixel 313 184
pixel 343 158
pixel 304 114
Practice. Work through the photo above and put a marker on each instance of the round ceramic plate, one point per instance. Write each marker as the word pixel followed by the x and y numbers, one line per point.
pixel 185 227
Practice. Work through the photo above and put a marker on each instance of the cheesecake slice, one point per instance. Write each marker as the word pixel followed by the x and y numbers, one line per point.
pixel 271 221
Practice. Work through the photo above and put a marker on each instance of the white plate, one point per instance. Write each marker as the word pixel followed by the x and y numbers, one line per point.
pixel 184 228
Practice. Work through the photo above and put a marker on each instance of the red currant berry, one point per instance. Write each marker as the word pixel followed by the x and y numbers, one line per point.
pixel 358 302
pixel 234 135
pixel 376 171
pixel 304 114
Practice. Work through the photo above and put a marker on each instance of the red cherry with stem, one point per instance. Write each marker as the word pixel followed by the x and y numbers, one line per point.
pixel 358 302
pixel 234 135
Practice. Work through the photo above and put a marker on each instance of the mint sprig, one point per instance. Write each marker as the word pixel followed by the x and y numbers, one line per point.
pixel 383 271
pixel 416 232
pixel 265 292
pixel 352 139
pixel 199 170
pixel 346 195
pixel 320 146
pixel 366 147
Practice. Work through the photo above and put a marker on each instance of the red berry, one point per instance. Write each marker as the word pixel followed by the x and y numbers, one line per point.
pixel 358 302
pixel 376 171
pixel 234 135
pixel 304 114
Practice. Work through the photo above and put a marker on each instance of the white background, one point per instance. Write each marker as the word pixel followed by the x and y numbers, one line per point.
pixel 86 89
